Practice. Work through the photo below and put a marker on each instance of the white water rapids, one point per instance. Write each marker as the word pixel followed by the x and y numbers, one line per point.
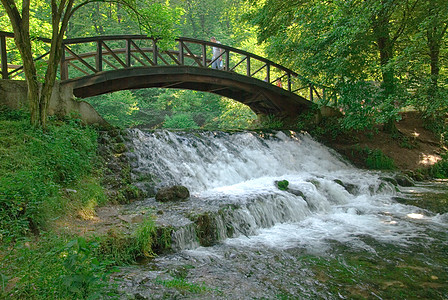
pixel 329 200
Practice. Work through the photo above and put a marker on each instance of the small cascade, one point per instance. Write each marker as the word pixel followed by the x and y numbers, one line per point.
pixel 232 178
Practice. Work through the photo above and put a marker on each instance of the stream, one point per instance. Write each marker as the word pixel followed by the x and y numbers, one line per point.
pixel 336 232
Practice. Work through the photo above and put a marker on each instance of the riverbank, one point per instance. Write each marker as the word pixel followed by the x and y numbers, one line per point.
pixel 413 149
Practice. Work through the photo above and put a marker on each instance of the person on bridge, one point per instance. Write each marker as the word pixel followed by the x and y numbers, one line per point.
pixel 216 58
pixel 279 83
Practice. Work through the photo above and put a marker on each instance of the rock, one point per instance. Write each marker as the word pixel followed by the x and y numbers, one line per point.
pixel 390 180
pixel 351 188
pixel 296 192
pixel 404 180
pixel 172 193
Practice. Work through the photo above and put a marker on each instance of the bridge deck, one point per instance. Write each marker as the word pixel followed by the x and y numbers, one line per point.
pixel 97 65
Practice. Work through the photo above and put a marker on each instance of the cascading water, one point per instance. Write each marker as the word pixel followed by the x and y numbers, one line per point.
pixel 236 204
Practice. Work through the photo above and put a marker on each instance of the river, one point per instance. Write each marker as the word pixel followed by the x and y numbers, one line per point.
pixel 337 232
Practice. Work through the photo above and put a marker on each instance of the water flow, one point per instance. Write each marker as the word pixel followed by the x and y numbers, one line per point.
pixel 232 177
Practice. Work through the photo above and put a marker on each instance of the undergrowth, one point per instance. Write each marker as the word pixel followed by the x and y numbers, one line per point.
pixel 38 169
pixel 45 176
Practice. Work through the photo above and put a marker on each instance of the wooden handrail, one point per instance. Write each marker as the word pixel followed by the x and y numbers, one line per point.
pixel 134 53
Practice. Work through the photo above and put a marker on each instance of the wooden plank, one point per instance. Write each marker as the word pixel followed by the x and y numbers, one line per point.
pixel 99 56
pixel 78 68
pixel 64 65
pixel 155 52
pixel 143 54
pixel 198 61
pixel 4 57
pixel 204 55
pixel 81 60
pixel 172 84
pixel 128 53
pixel 110 64
pixel 240 62
pixel 139 60
pixel 181 53
pixel 173 57
pixel 258 70
pixel 115 56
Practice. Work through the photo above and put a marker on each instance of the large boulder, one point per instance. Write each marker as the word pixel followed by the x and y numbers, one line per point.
pixel 172 193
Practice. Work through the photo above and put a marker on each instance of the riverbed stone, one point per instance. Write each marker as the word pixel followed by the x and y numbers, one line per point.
pixel 404 180
pixel 173 193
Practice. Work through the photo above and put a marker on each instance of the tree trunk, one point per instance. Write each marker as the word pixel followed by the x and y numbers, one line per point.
pixel 381 31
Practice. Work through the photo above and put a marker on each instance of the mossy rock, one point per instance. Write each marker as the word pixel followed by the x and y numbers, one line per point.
pixel 173 193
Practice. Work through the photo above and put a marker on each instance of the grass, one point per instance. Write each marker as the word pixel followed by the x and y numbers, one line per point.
pixel 45 176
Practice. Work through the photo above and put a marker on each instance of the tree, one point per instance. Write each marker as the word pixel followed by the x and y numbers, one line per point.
pixel 340 43
pixel 61 11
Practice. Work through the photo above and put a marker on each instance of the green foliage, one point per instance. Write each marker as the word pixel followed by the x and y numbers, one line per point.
pixel 118 108
pixel 182 284
pixel 180 121
pixel 85 275
pixel 35 166
pixel 235 115
pixel 54 268
pixel 145 237
pixel 440 169
pixel 377 160
pixel 271 122
pixel 370 52
pixel 283 185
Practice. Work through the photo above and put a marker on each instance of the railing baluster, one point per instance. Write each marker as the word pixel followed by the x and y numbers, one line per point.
pixel 155 51
pixel 227 65
pixel 268 73
pixel 311 92
pixel 289 81
pixel 248 66
pixel 204 55
pixel 64 65
pixel 128 53
pixel 4 57
pixel 181 52
pixel 99 56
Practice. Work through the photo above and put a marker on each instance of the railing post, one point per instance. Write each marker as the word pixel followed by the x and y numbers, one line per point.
pixel 248 66
pixel 128 53
pixel 181 53
pixel 64 66
pixel 155 51
pixel 99 56
pixel 4 57
pixel 268 73
pixel 204 55
pixel 289 82
pixel 311 92
pixel 324 95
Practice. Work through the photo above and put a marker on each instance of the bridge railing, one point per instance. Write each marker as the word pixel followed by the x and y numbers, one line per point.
pixel 91 55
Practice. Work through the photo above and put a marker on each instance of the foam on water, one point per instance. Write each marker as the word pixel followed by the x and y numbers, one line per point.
pixel 333 202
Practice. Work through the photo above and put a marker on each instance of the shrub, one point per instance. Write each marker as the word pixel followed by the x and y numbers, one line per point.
pixel 35 166
pixel 440 169
pixel 377 160
pixel 180 121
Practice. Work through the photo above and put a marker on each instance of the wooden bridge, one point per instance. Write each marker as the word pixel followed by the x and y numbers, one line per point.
pixel 103 64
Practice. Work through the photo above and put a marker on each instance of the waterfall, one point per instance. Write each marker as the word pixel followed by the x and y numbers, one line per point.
pixel 232 179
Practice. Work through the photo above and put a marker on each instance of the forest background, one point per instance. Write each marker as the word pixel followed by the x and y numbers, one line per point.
pixel 380 57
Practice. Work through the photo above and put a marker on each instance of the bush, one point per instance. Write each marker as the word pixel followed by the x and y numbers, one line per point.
pixel 35 166
pixel 180 121
pixel 54 269
pixel 377 160
pixel 440 169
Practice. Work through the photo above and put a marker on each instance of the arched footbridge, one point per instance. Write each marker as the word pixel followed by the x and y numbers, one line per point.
pixel 103 64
